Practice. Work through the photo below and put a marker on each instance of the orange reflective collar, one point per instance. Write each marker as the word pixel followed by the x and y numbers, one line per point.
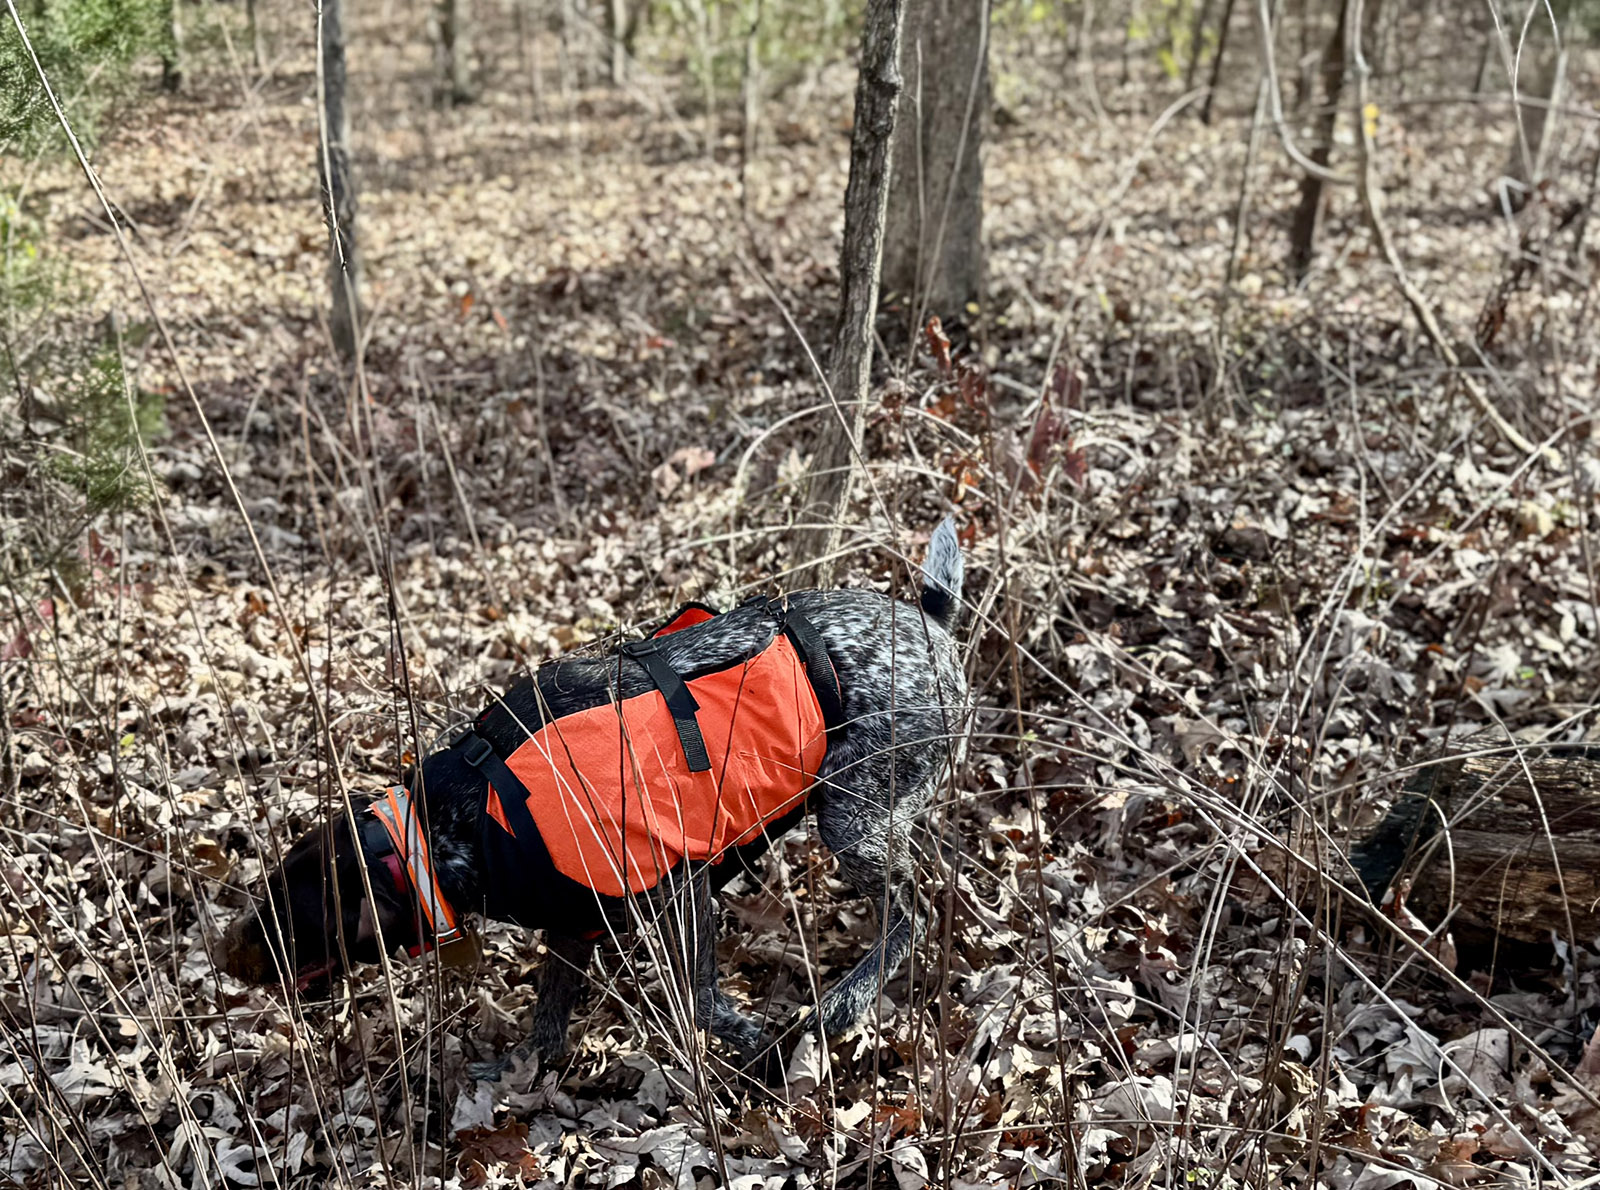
pixel 399 817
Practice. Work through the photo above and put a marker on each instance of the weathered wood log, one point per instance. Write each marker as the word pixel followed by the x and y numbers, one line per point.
pixel 1510 843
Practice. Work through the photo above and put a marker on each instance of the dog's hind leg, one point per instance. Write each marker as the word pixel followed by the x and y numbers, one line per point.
pixel 561 981
pixel 869 834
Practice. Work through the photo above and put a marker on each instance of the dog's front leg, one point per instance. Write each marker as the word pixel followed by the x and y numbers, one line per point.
pixel 692 926
pixel 561 981
pixel 566 968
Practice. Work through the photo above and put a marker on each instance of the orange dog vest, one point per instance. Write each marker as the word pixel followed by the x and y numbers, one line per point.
pixel 612 794
pixel 608 799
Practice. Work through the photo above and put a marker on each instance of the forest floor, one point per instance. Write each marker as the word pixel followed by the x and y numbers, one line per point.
pixel 1240 557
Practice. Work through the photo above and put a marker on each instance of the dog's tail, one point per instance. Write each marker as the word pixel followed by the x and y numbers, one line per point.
pixel 941 575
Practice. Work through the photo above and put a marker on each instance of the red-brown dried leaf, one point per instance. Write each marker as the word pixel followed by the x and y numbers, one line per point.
pixel 1066 387
pixel 904 1119
pixel 1074 464
pixel 504 1149
pixel 1048 429
pixel 974 385
pixel 939 346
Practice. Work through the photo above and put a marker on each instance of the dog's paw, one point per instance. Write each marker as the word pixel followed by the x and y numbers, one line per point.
pixel 763 1062
pixel 515 1060
pixel 548 1040
pixel 491 1070
pixel 769 1067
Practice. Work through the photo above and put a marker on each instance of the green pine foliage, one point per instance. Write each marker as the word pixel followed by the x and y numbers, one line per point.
pixel 72 413
pixel 86 47
pixel 106 420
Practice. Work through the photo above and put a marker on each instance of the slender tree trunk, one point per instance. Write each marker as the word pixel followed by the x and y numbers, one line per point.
pixel 1482 77
pixel 1575 258
pixel 1216 63
pixel 1135 20
pixel 568 67
pixel 453 86
pixel 866 201
pixel 1303 234
pixel 258 56
pixel 1302 75
pixel 172 53
pixel 338 181
pixel 1086 59
pixel 637 10
pixel 751 94
pixel 617 18
pixel 1197 42
pixel 1242 211
pixel 1543 76
pixel 933 252
pixel 705 46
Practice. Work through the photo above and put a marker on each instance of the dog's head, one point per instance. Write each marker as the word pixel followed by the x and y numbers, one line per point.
pixel 316 920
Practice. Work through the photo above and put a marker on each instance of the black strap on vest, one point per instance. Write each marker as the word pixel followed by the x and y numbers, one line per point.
pixel 513 793
pixel 807 641
pixel 681 703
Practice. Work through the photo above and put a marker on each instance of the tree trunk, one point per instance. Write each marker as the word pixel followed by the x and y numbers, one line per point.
pixel 1216 62
pixel 1575 257
pixel 750 92
pixel 622 19
pixel 617 10
pixel 1484 59
pixel 338 185
pixel 705 48
pixel 933 254
pixel 454 85
pixel 866 201
pixel 172 52
pixel 1543 76
pixel 258 55
pixel 1197 42
pixel 1303 234
pixel 1507 855
pixel 1302 76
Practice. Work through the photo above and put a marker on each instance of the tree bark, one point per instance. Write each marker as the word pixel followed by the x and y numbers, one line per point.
pixel 454 87
pixel 1476 838
pixel 1216 62
pixel 1575 257
pixel 617 12
pixel 1303 233
pixel 866 200
pixel 622 19
pixel 1197 42
pixel 1544 78
pixel 933 254
pixel 172 52
pixel 258 55
pixel 750 93
pixel 338 184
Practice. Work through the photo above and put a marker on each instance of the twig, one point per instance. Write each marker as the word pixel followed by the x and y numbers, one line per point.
pixel 1371 205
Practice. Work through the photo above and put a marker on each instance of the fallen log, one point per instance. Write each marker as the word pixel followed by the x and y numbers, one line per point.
pixel 1505 840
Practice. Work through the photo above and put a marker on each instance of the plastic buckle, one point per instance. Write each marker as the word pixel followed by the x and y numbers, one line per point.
pixel 478 751
pixel 460 948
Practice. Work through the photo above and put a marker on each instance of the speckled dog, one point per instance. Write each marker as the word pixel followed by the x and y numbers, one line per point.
pixel 881 677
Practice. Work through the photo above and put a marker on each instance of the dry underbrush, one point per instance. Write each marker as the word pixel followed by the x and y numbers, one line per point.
pixel 1234 564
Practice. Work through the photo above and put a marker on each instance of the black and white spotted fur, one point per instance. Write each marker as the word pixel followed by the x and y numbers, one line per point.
pixel 905 701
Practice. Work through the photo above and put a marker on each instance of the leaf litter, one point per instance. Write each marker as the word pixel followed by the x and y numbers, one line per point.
pixel 1229 574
